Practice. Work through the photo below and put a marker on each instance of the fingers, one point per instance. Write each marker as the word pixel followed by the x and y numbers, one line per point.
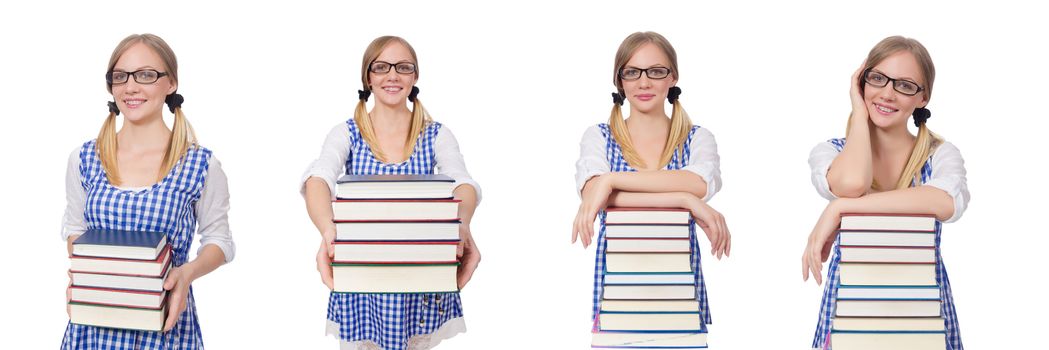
pixel 459 248
pixel 176 304
pixel 471 259
pixel 324 268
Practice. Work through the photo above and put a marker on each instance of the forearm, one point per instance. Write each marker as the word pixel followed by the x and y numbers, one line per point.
pixel 851 173
pixel 468 202
pixel 914 200
pixel 652 200
pixel 209 259
pixel 318 204
pixel 659 181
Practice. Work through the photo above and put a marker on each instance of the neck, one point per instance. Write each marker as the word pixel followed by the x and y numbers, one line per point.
pixel 386 117
pixel 891 141
pixel 145 134
pixel 652 119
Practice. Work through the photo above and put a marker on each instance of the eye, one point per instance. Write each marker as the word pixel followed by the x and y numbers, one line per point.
pixel 631 73
pixel 117 76
pixel 146 75
pixel 658 72
pixel 380 67
pixel 405 68
pixel 907 87
pixel 876 78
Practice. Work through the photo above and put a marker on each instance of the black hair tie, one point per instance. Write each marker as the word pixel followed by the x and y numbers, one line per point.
pixel 174 101
pixel 363 95
pixel 673 94
pixel 113 108
pixel 921 115
pixel 413 94
pixel 617 98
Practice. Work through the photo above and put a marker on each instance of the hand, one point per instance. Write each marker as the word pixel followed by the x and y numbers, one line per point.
pixel 324 256
pixel 468 255
pixel 821 240
pixel 713 225
pixel 177 284
pixel 859 107
pixel 595 194
pixel 69 293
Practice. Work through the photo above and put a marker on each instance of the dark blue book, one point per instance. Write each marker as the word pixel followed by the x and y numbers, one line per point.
pixel 427 186
pixel 119 244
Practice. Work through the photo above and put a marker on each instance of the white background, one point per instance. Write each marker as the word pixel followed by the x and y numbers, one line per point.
pixel 519 83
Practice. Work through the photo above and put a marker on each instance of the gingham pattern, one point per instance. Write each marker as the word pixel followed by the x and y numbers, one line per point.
pixel 617 163
pixel 167 206
pixel 830 292
pixel 389 320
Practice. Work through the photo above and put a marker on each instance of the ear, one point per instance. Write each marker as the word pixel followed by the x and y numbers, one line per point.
pixel 925 101
pixel 172 88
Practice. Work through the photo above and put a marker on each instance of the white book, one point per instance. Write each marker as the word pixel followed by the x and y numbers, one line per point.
pixel 650 292
pixel 882 341
pixel 649 340
pixel 647 216
pixel 101 280
pixel 888 324
pixel 394 186
pixel 648 262
pixel 900 239
pixel 888 222
pixel 649 278
pixel 117 297
pixel 650 305
pixel 887 308
pixel 127 267
pixel 395 278
pixel 889 292
pixel 887 274
pixel 117 317
pixel 394 252
pixel 357 210
pixel 397 231
pixel 646 231
pixel 666 322
pixel 648 245
pixel 884 254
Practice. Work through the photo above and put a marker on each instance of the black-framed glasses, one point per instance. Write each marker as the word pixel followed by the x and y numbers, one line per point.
pixel 879 79
pixel 631 73
pixel 142 76
pixel 380 67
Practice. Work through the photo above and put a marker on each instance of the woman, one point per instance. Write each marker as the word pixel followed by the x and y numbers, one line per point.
pixel 390 139
pixel 883 168
pixel 147 177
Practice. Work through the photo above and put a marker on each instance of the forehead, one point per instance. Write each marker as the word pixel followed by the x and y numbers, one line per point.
pixel 395 52
pixel 648 55
pixel 901 65
pixel 138 56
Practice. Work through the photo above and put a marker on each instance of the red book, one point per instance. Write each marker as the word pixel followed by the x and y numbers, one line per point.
pixel 398 252
pixel 625 215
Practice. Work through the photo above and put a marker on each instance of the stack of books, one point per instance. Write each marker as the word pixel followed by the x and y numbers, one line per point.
pixel 395 234
pixel 118 279
pixel 649 292
pixel 889 297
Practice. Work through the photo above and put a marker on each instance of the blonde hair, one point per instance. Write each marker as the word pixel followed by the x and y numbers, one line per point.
pixel 420 118
pixel 182 135
pixel 680 124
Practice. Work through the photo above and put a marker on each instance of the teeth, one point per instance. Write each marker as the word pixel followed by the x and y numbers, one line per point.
pixel 392 89
pixel 885 109
pixel 134 103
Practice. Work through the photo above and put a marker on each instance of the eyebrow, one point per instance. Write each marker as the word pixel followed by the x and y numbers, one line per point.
pixel 115 69
pixel 897 78
pixel 649 67
pixel 398 62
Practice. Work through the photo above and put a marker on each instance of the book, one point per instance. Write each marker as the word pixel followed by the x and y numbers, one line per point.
pixel 102 280
pixel 888 324
pixel 623 215
pixel 888 238
pixel 628 245
pixel 659 322
pixel 395 278
pixel 650 292
pixel 394 186
pixel 648 262
pixel 391 209
pixel 126 267
pixel 888 254
pixel 646 231
pixel 624 340
pixel 888 292
pixel 888 308
pixel 120 244
pixel 888 222
pixel 117 297
pixel 118 317
pixel 888 274
pixel 395 252
pixel 397 230
pixel 614 278
pixel 848 340
pixel 691 305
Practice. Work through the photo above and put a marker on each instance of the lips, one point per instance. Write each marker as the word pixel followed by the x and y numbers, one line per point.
pixel 883 109
pixel 392 89
pixel 133 102
pixel 646 97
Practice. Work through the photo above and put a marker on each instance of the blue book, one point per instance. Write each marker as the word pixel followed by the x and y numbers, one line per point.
pixel 427 186
pixel 119 244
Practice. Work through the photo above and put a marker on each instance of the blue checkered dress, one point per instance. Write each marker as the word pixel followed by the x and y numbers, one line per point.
pixel 167 206
pixel 830 292
pixel 617 163
pixel 390 319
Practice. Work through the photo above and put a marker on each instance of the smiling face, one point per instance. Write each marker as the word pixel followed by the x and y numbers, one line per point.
pixel 647 95
pixel 887 107
pixel 392 88
pixel 141 101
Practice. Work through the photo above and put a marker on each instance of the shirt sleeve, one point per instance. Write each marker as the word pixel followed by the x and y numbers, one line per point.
pixel 330 163
pixel 450 161
pixel 73 222
pixel 948 174
pixel 213 211
pixel 704 160
pixel 592 158
pixel 819 160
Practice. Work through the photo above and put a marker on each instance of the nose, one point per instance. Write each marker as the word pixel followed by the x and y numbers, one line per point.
pixel 887 93
pixel 644 82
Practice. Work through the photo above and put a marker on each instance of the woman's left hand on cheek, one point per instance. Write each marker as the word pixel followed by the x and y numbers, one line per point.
pixel 177 284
